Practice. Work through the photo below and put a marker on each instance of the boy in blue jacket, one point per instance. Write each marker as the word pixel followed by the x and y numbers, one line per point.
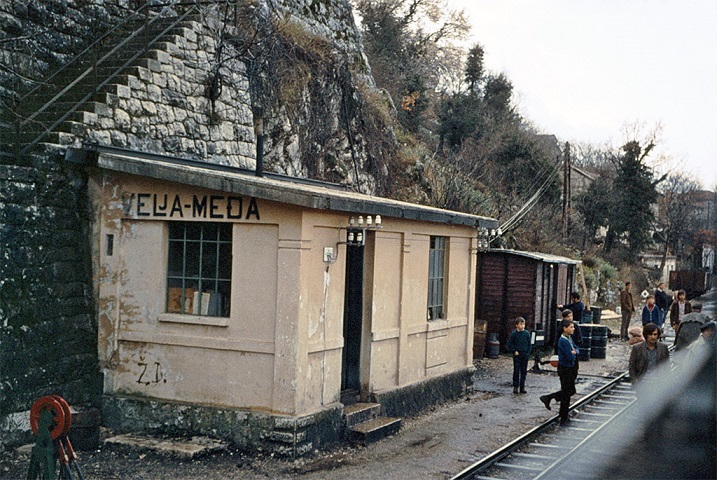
pixel 567 371
pixel 519 345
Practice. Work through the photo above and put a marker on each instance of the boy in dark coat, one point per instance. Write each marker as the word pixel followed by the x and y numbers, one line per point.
pixel 519 345
pixel 651 313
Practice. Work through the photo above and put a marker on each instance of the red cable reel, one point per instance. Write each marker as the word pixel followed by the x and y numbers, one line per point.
pixel 61 416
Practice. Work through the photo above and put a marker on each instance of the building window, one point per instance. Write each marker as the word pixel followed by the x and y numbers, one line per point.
pixel 436 274
pixel 199 268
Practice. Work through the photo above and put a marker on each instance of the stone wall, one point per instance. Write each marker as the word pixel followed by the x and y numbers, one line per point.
pixel 47 330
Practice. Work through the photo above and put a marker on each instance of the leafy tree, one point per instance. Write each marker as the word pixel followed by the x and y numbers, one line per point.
pixel 408 44
pixel 459 119
pixel 594 206
pixel 475 68
pixel 498 93
pixel 633 194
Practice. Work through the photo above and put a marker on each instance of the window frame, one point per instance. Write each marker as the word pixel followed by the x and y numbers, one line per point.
pixel 436 294
pixel 211 250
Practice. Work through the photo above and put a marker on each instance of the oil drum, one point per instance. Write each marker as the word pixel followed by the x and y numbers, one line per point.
pixel 598 349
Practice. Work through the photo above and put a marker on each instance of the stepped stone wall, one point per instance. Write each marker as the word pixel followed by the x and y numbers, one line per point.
pixel 48 331
pixel 162 107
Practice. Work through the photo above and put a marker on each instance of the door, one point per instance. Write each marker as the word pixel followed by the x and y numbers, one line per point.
pixel 353 320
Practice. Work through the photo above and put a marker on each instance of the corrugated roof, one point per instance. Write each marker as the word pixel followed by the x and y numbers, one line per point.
pixel 543 257
pixel 298 192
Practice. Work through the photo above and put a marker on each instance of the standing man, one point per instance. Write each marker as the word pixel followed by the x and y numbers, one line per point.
pixel 567 371
pixel 647 356
pixel 627 306
pixel 679 308
pixel 663 302
pixel 577 307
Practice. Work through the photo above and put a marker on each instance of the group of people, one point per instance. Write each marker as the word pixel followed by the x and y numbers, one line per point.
pixel 693 331
pixel 656 309
pixel 567 350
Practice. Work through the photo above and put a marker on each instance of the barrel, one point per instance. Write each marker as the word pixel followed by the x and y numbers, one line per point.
pixel 493 346
pixel 597 313
pixel 598 349
pixel 587 317
pixel 585 341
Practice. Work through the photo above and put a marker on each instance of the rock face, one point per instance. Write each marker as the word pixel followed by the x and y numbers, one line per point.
pixel 193 83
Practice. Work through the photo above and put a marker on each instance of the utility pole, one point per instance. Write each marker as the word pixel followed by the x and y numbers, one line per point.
pixel 566 190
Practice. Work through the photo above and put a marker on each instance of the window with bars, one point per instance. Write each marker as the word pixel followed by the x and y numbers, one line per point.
pixel 199 268
pixel 436 273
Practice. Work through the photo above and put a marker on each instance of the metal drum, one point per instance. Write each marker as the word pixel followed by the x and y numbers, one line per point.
pixel 586 333
pixel 598 349
pixel 493 346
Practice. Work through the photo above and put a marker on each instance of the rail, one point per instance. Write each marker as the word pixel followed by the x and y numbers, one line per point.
pixel 492 459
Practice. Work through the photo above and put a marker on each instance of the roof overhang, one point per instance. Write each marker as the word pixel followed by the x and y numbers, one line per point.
pixel 284 189
pixel 543 257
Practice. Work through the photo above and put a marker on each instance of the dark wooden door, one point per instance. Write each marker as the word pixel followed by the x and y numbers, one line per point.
pixel 353 319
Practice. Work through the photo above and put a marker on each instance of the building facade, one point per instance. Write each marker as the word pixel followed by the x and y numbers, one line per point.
pixel 254 308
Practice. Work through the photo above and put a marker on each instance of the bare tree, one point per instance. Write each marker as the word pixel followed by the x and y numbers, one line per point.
pixel 676 213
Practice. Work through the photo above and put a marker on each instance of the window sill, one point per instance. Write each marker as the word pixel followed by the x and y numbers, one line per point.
pixel 193 319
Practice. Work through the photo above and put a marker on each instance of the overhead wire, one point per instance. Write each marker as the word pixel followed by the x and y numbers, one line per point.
pixel 530 203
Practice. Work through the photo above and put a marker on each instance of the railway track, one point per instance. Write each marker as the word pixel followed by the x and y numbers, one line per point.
pixel 543 452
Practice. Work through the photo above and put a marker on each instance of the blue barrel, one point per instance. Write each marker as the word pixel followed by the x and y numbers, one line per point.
pixel 598 349
pixel 587 317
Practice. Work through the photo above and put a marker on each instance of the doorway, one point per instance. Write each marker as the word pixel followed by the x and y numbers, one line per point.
pixel 353 322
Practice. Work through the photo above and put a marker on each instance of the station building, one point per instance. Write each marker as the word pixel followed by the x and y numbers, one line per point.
pixel 255 308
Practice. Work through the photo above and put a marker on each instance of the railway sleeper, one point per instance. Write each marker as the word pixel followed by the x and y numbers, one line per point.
pixel 522 468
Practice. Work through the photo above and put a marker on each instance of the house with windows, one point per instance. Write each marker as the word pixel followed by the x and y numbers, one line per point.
pixel 257 308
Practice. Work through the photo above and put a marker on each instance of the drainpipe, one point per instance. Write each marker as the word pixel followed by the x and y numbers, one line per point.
pixel 259 128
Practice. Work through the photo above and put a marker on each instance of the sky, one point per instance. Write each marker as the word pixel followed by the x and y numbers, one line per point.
pixel 584 69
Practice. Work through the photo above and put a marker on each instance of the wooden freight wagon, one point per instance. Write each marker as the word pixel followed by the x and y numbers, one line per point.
pixel 521 284
pixel 694 283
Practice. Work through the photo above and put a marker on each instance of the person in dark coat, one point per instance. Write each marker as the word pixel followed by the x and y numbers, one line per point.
pixel 519 345
pixel 663 301
pixel 679 308
pixel 647 356
pixel 577 307
pixel 626 307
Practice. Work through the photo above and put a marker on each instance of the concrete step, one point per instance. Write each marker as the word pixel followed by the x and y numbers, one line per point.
pixel 361 412
pixel 173 447
pixel 374 430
